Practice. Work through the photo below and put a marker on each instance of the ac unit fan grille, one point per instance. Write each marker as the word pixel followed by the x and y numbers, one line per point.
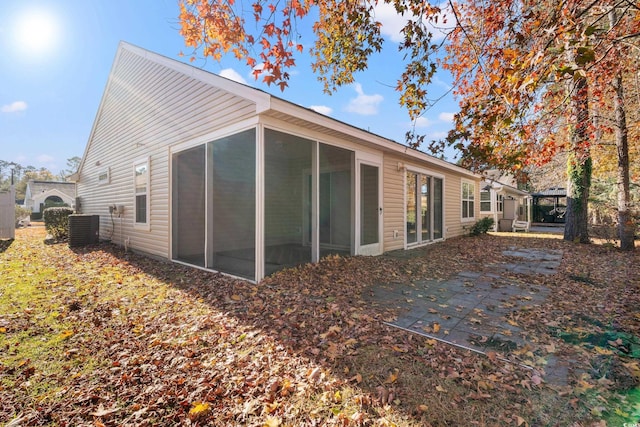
pixel 83 230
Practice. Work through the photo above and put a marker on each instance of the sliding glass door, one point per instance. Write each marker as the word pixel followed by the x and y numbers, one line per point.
pixel 424 208
pixel 438 207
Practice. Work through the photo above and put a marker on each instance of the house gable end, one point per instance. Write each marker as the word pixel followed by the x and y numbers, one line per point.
pixel 148 94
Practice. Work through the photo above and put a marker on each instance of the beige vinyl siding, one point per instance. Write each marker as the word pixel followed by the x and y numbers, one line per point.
pixel 394 199
pixel 393 203
pixel 146 108
pixel 455 225
pixel 453 206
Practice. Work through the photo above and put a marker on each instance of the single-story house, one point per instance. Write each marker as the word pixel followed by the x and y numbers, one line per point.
pixel 501 200
pixel 39 194
pixel 199 169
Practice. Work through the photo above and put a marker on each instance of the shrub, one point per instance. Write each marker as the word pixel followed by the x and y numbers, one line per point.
pixel 56 221
pixel 482 226
pixel 50 204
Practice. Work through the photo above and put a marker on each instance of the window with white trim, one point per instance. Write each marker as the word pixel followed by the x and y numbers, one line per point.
pixel 141 188
pixel 104 176
pixel 499 202
pixel 485 201
pixel 468 200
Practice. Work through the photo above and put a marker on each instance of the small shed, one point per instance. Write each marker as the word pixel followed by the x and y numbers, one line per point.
pixel 550 206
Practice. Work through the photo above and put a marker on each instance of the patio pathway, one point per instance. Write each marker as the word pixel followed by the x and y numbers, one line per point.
pixel 474 310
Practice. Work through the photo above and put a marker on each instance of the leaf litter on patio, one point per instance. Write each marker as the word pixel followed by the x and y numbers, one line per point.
pixel 102 337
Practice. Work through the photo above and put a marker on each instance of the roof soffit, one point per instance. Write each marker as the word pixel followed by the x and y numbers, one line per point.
pixel 331 125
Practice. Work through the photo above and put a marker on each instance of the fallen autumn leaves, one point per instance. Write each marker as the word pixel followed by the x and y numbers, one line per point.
pixel 102 337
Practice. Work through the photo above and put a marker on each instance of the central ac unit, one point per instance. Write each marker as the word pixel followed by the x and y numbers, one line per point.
pixel 83 229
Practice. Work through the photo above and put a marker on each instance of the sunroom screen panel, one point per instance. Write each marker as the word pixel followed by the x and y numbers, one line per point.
pixel 188 206
pixel 336 200
pixel 288 191
pixel 232 206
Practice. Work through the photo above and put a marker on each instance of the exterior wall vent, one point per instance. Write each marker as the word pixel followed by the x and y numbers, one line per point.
pixel 83 229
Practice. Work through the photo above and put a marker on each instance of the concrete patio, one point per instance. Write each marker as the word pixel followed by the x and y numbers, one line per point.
pixel 477 311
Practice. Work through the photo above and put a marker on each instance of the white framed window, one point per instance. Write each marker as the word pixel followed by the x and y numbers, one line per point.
pixel 141 185
pixel 104 176
pixel 499 202
pixel 468 200
pixel 485 201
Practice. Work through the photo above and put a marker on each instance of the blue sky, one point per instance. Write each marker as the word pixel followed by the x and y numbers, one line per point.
pixel 56 56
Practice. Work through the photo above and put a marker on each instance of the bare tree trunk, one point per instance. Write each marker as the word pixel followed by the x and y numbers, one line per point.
pixel 578 166
pixel 626 226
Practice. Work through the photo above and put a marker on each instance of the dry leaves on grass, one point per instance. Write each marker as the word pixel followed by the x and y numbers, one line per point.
pixel 136 341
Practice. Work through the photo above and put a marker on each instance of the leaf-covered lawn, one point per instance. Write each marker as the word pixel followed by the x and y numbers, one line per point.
pixel 97 336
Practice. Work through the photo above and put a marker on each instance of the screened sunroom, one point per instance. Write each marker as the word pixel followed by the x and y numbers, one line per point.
pixel 260 200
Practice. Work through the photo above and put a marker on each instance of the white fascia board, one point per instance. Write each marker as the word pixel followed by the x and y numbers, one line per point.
pixel 518 192
pixel 385 144
pixel 513 190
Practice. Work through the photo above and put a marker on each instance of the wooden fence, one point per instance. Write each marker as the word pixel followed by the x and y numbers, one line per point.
pixel 7 214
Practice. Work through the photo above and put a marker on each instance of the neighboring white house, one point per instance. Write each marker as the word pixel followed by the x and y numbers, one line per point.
pixel 190 166
pixel 39 193
pixel 501 200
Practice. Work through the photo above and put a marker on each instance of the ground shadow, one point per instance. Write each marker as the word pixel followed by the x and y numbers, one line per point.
pixel 319 312
pixel 5 244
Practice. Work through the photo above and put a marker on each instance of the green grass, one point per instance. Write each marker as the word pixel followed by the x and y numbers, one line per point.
pixel 35 331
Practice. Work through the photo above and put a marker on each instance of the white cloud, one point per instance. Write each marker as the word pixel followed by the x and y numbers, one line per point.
pixel 14 107
pixel 422 122
pixel 438 135
pixel 438 81
pixel 393 22
pixel 366 105
pixel 232 74
pixel 251 74
pixel 446 117
pixel 322 109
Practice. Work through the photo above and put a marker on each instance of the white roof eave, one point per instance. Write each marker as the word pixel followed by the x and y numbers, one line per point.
pixel 291 109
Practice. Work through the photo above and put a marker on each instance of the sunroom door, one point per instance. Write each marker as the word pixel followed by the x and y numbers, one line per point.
pixel 369 209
